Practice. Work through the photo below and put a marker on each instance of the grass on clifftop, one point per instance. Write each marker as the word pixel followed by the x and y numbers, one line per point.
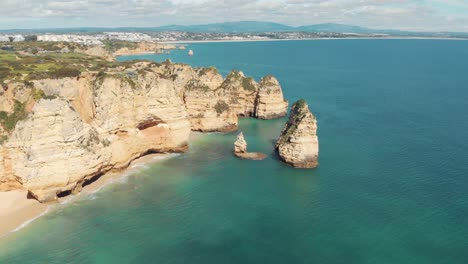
pixel 20 66
pixel 114 45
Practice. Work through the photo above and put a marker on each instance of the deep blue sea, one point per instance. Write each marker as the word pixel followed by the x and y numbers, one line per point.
pixel 392 185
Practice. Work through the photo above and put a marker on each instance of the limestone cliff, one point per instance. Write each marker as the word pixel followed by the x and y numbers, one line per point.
pixel 208 111
pixel 144 47
pixel 94 125
pixel 270 102
pixel 60 134
pixel 213 104
pixel 298 143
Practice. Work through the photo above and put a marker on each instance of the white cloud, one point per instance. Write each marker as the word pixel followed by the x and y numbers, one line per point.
pixel 450 15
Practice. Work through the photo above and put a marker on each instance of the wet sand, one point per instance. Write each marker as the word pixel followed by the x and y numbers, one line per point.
pixel 17 211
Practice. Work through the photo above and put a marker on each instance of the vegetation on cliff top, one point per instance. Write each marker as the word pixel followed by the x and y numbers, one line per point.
pixel 296 115
pixel 53 60
pixel 204 71
pixel 114 45
pixel 235 78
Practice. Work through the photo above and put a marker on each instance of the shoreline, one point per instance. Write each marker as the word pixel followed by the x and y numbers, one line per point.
pixel 263 40
pixel 17 211
pixel 268 40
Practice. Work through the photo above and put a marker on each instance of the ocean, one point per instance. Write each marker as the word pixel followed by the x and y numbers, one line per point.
pixel 391 186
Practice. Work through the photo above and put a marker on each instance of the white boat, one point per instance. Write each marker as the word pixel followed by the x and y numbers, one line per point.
pixel 190 53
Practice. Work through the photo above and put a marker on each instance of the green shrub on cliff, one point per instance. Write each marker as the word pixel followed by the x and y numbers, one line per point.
pixel 221 107
pixel 196 85
pixel 8 121
pixel 301 103
pixel 248 84
pixel 37 94
pixel 204 71
pixel 296 115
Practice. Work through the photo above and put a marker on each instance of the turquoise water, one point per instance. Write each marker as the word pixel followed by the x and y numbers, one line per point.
pixel 391 186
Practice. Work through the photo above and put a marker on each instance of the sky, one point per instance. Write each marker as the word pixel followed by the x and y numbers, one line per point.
pixel 417 15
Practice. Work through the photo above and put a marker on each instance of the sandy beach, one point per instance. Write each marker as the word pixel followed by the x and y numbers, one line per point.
pixel 17 211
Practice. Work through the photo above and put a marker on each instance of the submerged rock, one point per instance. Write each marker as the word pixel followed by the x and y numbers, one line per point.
pixel 240 149
pixel 298 143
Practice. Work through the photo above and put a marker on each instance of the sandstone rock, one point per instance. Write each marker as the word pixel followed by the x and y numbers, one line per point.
pixel 240 91
pixel 102 121
pixel 240 146
pixel 144 47
pixel 98 52
pixel 298 143
pixel 270 102
pixel 93 126
pixel 240 149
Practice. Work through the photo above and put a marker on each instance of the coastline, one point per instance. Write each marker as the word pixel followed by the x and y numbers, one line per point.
pixel 17 211
pixel 263 40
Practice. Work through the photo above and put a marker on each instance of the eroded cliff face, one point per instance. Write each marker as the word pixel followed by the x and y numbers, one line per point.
pixel 298 143
pixel 144 47
pixel 72 130
pixel 270 101
pixel 214 104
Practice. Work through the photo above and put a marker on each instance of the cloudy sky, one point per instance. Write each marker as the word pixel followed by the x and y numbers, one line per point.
pixel 422 15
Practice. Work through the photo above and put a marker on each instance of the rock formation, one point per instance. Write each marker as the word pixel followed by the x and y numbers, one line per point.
pixel 298 143
pixel 240 149
pixel 240 146
pixel 270 101
pixel 58 135
pixel 144 47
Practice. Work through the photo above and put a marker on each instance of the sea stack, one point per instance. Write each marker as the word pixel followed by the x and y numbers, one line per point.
pixel 298 144
pixel 270 102
pixel 240 149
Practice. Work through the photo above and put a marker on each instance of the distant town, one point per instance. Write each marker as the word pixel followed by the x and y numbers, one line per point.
pixel 180 36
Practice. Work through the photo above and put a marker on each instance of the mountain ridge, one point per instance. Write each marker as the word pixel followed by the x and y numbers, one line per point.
pixel 243 27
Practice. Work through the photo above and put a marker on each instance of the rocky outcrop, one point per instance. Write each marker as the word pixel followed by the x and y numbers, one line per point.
pixel 213 104
pixel 270 102
pixel 298 143
pixel 69 131
pixel 98 51
pixel 240 149
pixel 144 47
pixel 208 111
pixel 87 127
pixel 240 146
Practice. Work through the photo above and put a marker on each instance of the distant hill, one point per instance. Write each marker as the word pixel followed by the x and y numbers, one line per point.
pixel 231 27
pixel 247 26
pixel 331 27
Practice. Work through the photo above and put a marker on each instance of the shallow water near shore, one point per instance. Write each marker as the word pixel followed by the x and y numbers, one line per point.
pixel 390 188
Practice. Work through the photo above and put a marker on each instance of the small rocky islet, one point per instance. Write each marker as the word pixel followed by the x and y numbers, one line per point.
pixel 297 144
pixel 240 149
